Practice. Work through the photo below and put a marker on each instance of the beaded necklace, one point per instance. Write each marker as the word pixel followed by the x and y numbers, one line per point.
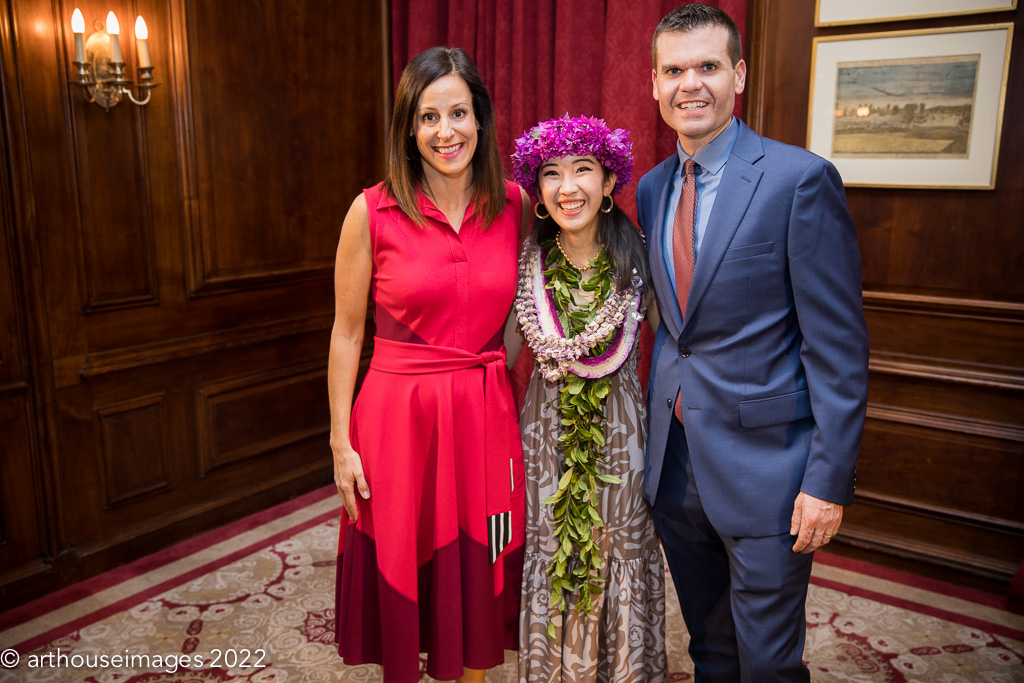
pixel 558 243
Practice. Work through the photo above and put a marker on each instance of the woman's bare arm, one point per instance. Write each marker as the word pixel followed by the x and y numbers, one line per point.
pixel 352 268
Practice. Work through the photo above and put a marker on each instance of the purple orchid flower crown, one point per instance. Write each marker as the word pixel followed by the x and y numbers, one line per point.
pixel 572 136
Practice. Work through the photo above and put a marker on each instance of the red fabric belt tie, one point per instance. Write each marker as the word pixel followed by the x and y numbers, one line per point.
pixel 403 358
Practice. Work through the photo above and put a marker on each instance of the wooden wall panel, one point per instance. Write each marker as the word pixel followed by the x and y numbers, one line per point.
pixel 174 291
pixel 954 332
pixel 909 530
pixel 941 474
pixel 135 447
pixel 112 208
pixel 245 417
pixel 912 457
pixel 23 528
pixel 21 532
pixel 964 401
pixel 282 146
pixel 153 389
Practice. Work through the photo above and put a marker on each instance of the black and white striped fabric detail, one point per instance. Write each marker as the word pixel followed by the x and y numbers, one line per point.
pixel 499 533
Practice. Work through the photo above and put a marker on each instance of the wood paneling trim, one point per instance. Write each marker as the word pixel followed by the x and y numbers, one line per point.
pixel 983 309
pixel 387 79
pixel 891 364
pixel 755 95
pixel 18 385
pixel 950 423
pixel 875 539
pixel 939 512
pixel 958 340
pixel 186 146
pixel 70 371
pixel 23 573
pixel 206 284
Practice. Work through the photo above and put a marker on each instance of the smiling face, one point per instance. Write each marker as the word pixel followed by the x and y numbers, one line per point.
pixel 445 128
pixel 572 189
pixel 695 84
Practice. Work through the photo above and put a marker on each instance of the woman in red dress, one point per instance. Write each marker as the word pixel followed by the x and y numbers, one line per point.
pixel 428 461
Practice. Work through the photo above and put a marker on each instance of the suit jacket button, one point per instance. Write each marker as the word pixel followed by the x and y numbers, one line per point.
pixel 684 351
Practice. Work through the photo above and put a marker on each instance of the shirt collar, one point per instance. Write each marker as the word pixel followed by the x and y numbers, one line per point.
pixel 426 206
pixel 712 156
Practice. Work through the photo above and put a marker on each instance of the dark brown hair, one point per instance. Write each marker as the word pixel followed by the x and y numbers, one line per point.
pixel 694 17
pixel 405 165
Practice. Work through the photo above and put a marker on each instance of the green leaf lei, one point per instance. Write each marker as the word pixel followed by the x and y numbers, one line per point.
pixel 581 403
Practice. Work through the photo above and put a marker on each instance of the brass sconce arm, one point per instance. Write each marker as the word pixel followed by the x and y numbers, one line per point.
pixel 100 69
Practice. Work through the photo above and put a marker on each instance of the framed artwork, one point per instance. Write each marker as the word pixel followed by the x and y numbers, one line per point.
pixel 911 108
pixel 839 12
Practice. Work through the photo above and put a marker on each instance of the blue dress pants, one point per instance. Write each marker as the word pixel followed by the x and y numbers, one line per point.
pixel 742 598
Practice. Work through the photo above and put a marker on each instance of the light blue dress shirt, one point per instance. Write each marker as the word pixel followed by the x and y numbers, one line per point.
pixel 710 161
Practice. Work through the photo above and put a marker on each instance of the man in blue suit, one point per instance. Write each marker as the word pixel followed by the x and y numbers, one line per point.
pixel 759 370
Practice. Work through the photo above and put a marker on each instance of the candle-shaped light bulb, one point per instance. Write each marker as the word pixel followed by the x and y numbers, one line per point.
pixel 142 42
pixel 113 30
pixel 78 28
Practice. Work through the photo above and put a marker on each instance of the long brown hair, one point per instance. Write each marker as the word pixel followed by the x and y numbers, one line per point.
pixel 405 165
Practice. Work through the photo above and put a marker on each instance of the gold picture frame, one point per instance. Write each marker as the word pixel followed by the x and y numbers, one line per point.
pixel 913 109
pixel 845 12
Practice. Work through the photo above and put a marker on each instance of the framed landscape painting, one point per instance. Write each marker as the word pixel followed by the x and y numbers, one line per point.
pixel 839 12
pixel 911 108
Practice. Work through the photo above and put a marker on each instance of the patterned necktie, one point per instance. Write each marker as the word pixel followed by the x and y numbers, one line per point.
pixel 684 236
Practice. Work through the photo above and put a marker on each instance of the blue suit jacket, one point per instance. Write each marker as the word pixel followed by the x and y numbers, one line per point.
pixel 772 358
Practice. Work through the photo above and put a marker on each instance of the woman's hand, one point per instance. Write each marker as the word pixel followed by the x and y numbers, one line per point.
pixel 348 477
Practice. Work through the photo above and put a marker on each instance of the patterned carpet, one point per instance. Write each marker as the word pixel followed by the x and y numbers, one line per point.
pixel 253 603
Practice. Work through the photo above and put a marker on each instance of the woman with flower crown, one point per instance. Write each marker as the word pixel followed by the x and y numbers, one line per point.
pixel 593 606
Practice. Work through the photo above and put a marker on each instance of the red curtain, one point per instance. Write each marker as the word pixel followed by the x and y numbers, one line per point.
pixel 543 58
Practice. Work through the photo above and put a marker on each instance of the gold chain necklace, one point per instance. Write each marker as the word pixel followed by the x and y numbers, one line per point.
pixel 558 243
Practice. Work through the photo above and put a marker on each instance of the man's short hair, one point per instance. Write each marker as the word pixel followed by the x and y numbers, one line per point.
pixel 694 17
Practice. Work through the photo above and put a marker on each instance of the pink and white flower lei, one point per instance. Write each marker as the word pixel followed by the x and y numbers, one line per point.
pixel 557 355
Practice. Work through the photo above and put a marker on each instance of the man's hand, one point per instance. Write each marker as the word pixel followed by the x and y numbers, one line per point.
pixel 815 522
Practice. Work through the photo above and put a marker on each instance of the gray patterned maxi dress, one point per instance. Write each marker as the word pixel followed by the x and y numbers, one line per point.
pixel 622 640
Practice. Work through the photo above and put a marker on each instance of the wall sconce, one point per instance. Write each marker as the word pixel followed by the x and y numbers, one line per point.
pixel 99 66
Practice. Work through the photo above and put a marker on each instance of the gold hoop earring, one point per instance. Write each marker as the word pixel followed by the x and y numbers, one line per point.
pixel 611 204
pixel 536 211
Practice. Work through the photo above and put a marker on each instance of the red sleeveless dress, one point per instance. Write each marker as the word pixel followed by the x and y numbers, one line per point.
pixel 437 431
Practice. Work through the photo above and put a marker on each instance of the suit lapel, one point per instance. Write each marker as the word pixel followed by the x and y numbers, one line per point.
pixel 663 184
pixel 737 188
